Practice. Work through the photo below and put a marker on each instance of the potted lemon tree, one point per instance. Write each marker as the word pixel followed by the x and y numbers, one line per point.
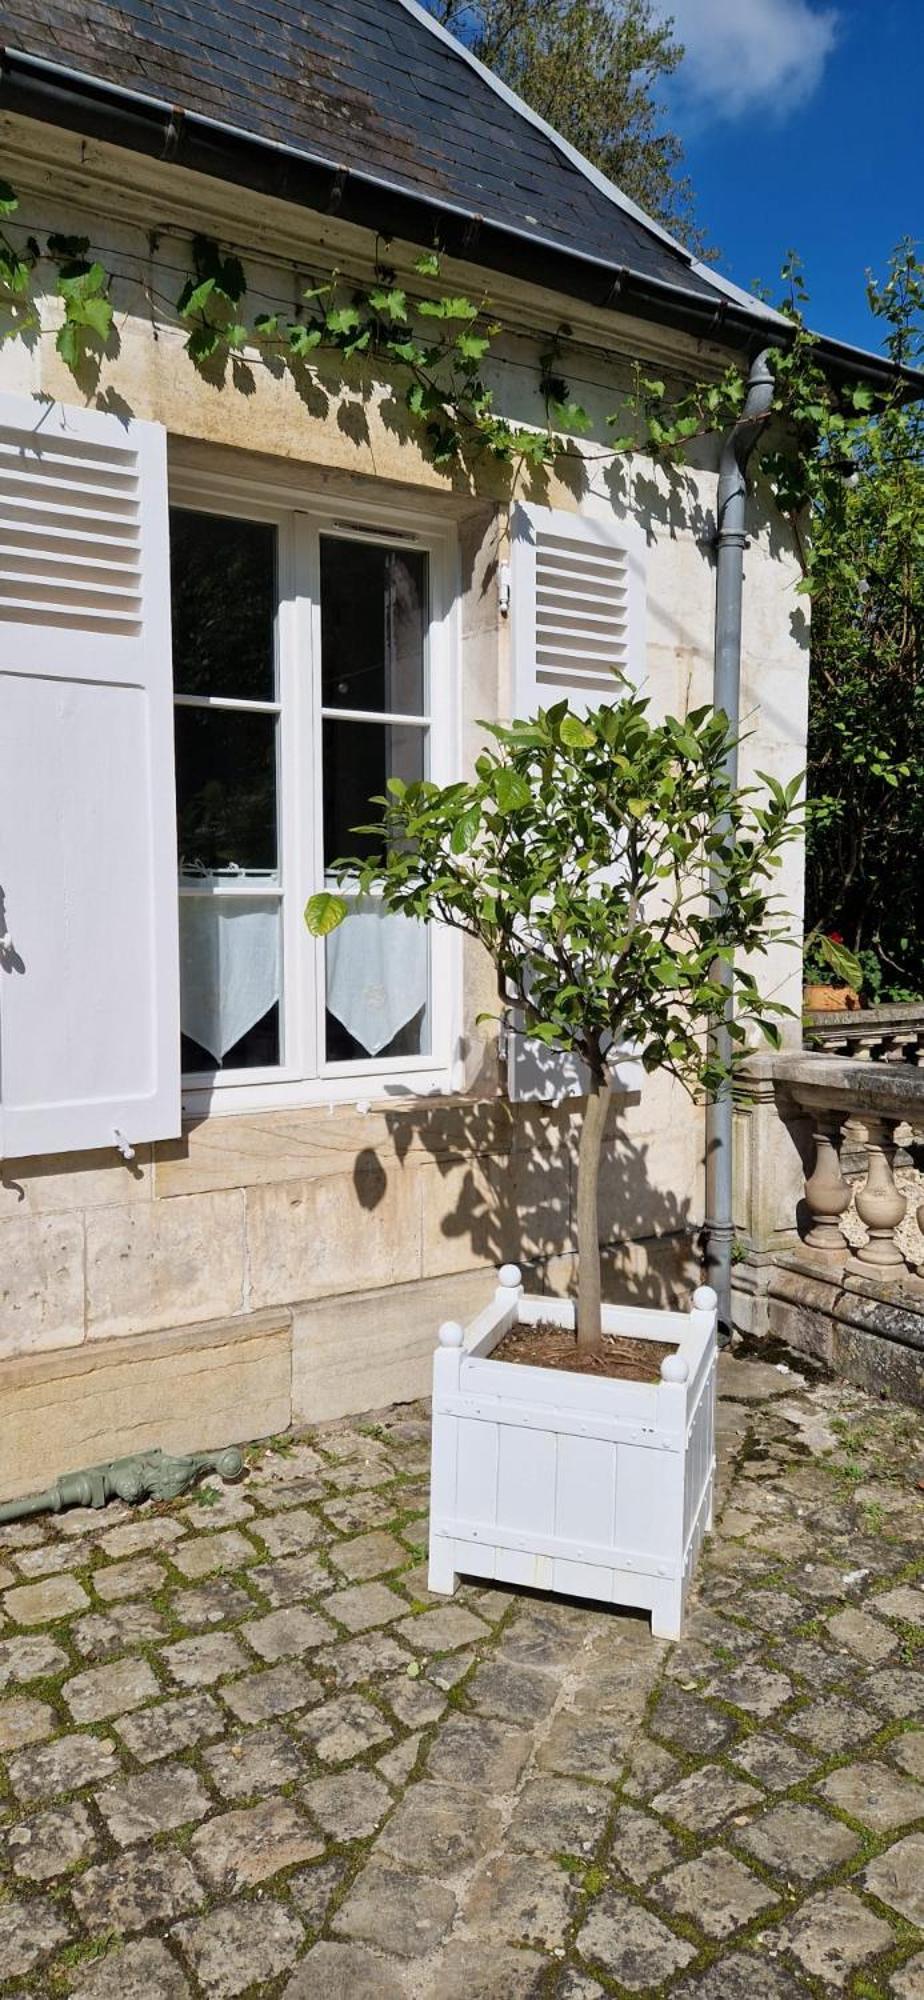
pixel 614 874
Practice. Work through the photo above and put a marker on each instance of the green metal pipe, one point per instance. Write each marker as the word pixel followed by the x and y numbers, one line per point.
pixel 147 1475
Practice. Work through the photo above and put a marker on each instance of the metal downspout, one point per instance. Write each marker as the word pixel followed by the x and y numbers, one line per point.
pixel 730 544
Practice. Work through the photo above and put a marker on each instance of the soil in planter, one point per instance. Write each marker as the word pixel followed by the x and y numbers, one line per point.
pixel 548 1346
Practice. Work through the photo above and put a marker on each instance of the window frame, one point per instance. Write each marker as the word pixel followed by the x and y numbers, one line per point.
pixel 300 515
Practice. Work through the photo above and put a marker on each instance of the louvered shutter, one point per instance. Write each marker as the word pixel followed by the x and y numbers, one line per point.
pixel 578 608
pixel 577 614
pixel 89 985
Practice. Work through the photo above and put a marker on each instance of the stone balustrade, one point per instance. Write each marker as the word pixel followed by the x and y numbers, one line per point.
pixel 893 1034
pixel 819 1140
pixel 870 1110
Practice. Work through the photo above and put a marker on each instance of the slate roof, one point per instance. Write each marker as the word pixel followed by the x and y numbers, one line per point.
pixel 366 109
pixel 363 84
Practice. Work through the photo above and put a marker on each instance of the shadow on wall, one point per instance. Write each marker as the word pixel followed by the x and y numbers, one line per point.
pixel 504 1190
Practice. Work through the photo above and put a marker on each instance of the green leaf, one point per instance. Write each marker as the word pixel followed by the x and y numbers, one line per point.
pixel 203 342
pixel 324 912
pixel 342 319
pixel 570 416
pixel 8 200
pixel 391 302
pixel 576 734
pixel 303 339
pixel 448 308
pixel 97 314
pixel 67 342
pixel 195 297
pixel 465 829
pixel 510 790
pixel 843 962
pixel 428 264
pixel 409 351
pixel 472 346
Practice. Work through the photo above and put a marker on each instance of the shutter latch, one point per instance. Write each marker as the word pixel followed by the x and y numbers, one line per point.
pixel 121 1144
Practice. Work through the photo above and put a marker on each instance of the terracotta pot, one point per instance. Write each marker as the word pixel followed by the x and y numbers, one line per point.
pixel 831 999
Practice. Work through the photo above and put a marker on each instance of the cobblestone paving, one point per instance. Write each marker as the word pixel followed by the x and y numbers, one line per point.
pixel 244 1753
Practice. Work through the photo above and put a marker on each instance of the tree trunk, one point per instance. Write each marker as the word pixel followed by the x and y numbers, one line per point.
pixel 589 1323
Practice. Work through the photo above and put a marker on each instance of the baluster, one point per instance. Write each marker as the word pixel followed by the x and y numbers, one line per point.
pixel 879 1204
pixel 826 1191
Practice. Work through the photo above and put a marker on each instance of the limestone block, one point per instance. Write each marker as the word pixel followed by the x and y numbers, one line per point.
pixel 73 1181
pixel 41 1282
pixel 681 597
pixel 651 1169
pixel 770 1159
pixel 308 1238
pixel 190 1389
pixel 460 1227
pixel 654 1271
pixel 372 1348
pixel 533 1201
pixel 165 1263
pixel 318 1142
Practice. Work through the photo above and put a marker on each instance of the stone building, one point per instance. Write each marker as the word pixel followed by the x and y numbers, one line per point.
pixel 246 1174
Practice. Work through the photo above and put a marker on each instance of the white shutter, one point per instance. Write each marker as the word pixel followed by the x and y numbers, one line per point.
pixel 89 984
pixel 578 633
pixel 578 608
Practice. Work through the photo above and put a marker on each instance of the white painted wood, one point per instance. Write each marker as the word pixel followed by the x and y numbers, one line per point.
pixel 302 514
pixel 89 983
pixel 551 1480
pixel 578 607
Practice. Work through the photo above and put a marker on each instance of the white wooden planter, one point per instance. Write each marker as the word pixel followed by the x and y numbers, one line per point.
pixel 574 1483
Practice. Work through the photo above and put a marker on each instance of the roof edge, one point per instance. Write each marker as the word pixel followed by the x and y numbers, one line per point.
pixel 55 94
pixel 598 180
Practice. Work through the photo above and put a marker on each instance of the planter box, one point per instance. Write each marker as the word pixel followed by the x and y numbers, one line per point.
pixel 574 1483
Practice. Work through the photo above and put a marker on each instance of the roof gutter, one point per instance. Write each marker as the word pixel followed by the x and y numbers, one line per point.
pixel 59 95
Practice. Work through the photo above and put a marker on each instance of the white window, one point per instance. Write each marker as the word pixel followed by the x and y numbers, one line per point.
pixel 311 663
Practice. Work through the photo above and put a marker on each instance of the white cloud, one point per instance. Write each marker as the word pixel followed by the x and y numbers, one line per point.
pixel 746 55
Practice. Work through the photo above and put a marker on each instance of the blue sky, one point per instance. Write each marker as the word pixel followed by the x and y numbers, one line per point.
pixel 802 124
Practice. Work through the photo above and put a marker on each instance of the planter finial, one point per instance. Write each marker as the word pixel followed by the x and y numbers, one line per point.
pixel 451 1333
pixel 705 1299
pixel 510 1276
pixel 675 1369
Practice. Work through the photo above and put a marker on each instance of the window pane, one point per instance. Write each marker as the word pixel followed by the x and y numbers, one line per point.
pixel 230 974
pixel 373 627
pixel 358 759
pixel 223 596
pixel 226 789
pixel 378 983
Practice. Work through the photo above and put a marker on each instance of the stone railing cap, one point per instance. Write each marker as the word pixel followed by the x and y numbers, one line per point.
pixel 866 1020
pixel 890 1089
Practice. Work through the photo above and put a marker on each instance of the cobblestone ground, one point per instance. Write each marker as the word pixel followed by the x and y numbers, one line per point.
pixel 243 1753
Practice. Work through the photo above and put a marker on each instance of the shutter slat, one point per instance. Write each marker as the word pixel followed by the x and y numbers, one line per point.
pixel 56 589
pixel 89 987
pixel 55 562
pixel 77 451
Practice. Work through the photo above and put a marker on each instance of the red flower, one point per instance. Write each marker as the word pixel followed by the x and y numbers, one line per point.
pixel 834 937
